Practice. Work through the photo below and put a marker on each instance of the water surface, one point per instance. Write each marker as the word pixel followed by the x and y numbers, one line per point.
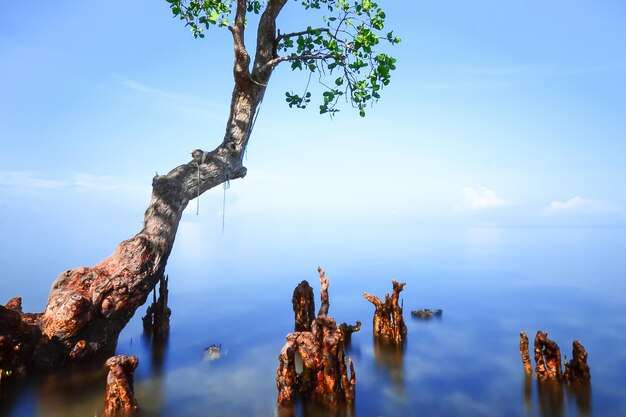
pixel 235 290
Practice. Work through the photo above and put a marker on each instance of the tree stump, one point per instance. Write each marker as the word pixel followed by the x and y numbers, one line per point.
pixel 388 320
pixel 547 358
pixel 120 394
pixel 313 364
pixel 577 370
pixel 156 322
pixel 523 349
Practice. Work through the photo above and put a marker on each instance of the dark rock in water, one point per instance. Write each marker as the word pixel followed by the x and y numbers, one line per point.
pixel 426 313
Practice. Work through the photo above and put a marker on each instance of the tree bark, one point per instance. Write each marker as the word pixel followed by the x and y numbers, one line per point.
pixel 89 306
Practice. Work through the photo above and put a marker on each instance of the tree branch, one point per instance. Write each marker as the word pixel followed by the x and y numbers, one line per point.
pixel 317 57
pixel 266 41
pixel 242 59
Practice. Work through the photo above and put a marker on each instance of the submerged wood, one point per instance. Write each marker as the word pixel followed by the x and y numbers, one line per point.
pixel 388 320
pixel 120 392
pixel 313 364
pixel 426 313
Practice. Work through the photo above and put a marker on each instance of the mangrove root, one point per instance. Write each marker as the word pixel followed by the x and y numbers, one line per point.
pixel 120 398
pixel 388 319
pixel 577 369
pixel 157 318
pixel 313 364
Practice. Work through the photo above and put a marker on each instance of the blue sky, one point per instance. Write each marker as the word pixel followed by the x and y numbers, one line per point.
pixel 500 113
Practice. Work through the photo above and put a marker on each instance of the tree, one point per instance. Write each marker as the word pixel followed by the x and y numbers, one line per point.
pixel 89 306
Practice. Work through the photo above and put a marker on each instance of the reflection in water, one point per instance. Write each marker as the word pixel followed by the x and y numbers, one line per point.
pixel 550 394
pixel 153 395
pixel 550 397
pixel 580 394
pixel 57 393
pixel 389 356
pixel 307 408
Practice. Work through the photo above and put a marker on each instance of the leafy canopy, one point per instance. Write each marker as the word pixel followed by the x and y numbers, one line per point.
pixel 341 50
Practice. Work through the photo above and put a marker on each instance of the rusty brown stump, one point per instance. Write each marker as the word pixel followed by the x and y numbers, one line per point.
pixel 313 364
pixel 523 349
pixel 120 398
pixel 388 320
pixel 577 369
pixel 303 307
pixel 547 358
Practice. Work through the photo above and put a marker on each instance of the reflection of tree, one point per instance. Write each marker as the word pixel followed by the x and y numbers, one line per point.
pixel 390 357
pixel 581 394
pixel 57 393
pixel 308 408
pixel 156 326
pixel 551 393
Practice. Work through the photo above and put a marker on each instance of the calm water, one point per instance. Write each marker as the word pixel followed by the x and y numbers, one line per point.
pixel 235 290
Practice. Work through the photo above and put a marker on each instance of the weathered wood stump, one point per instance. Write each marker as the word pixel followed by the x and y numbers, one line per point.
pixel 156 322
pixel 388 320
pixel 303 307
pixel 523 349
pixel 577 370
pixel 313 364
pixel 120 393
pixel 548 360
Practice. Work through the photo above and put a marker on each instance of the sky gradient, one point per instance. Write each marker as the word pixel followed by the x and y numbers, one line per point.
pixel 498 114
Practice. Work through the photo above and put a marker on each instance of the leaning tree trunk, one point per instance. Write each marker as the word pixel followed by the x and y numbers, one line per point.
pixel 89 306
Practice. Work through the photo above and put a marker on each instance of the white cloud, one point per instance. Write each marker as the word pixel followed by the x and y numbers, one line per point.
pixel 78 182
pixel 579 205
pixel 480 199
